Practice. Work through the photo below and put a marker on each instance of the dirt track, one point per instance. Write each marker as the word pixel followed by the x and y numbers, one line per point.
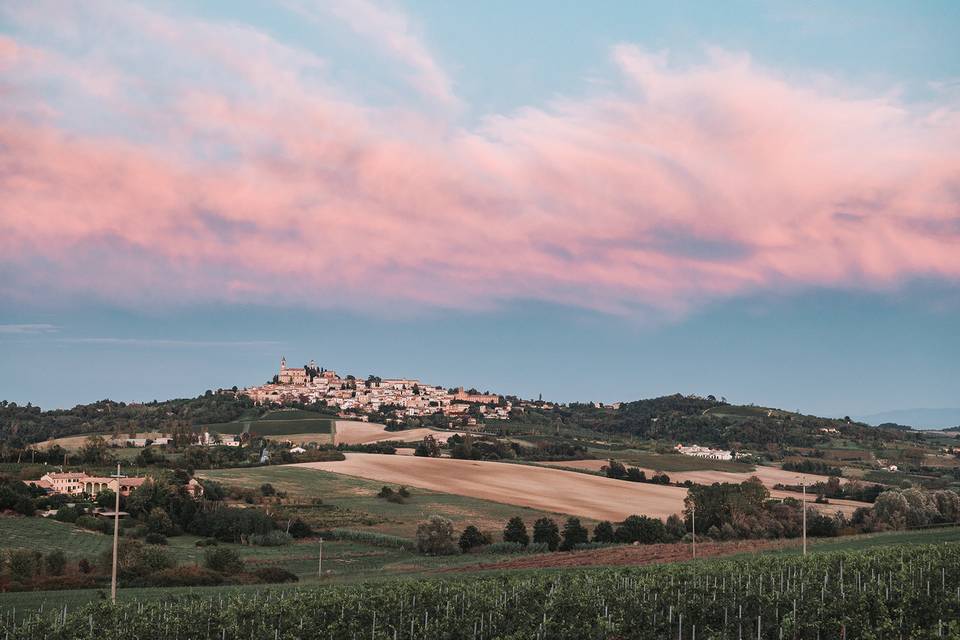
pixel 628 555
pixel 530 486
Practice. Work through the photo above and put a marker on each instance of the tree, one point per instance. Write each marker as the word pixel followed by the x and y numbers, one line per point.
pixel 615 469
pixel 675 527
pixel 472 537
pixel 635 474
pixel 546 531
pixel 159 522
pixel 516 531
pixel 266 489
pixel 603 532
pixel 574 533
pixel 642 529
pixel 106 499
pixel 429 447
pixel 435 537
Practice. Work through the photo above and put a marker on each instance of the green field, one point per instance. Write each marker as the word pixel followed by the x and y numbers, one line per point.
pixel 671 462
pixel 276 423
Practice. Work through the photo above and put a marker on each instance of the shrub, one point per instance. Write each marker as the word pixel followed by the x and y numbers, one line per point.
pixel 23 563
pixel 223 560
pixel 266 489
pixel 546 531
pixel 155 538
pixel 472 537
pixel 55 562
pixel 516 531
pixel 514 547
pixel 435 537
pixel 185 576
pixel 404 492
pixel 207 542
pixel 68 514
pixel 603 532
pixel 299 529
pixel 574 533
pixel 272 539
pixel 385 492
pixel 275 575
pixel 94 524
pixel 84 566
pixel 373 538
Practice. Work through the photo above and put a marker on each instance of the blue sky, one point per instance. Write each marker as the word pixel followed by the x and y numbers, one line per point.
pixel 592 202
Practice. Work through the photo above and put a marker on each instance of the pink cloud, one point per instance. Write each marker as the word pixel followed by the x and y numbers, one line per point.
pixel 259 181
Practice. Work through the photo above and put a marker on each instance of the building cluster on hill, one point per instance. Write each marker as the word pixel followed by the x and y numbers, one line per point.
pixel 403 396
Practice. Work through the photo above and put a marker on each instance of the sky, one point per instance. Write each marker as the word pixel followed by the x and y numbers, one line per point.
pixel 759 201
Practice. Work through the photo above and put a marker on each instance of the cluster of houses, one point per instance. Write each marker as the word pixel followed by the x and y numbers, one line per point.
pixel 704 452
pixel 403 396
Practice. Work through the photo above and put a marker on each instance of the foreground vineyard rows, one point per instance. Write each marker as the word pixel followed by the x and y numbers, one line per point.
pixel 887 593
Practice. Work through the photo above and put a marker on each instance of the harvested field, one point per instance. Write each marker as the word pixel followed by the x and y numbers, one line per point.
pixel 524 485
pixel 75 442
pixel 769 476
pixel 351 432
pixel 632 555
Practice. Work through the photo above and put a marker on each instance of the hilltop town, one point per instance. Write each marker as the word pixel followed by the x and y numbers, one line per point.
pixel 395 398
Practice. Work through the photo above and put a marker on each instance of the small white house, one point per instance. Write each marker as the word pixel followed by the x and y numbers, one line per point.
pixel 298 449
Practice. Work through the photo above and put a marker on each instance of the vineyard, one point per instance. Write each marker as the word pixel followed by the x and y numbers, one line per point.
pixel 887 593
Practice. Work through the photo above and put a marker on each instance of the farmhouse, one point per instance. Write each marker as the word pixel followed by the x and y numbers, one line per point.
pixel 704 452
pixel 77 482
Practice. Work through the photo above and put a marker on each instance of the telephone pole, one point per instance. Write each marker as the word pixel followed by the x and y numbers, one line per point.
pixel 116 537
pixel 320 561
pixel 803 484
pixel 693 517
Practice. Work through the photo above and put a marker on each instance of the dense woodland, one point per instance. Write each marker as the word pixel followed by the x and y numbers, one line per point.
pixel 706 421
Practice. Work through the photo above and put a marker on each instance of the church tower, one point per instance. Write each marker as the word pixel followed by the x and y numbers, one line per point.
pixel 283 363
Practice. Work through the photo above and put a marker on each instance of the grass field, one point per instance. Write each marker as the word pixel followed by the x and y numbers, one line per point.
pixel 356 503
pixel 275 423
pixel 670 462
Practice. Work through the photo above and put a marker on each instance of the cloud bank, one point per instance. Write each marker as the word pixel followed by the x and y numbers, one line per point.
pixel 179 160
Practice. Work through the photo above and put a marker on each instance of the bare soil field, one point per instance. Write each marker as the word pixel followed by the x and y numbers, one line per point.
pixel 635 555
pixel 351 432
pixel 769 476
pixel 524 485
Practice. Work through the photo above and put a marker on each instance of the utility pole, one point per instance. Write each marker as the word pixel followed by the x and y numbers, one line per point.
pixel 320 561
pixel 693 517
pixel 803 483
pixel 116 538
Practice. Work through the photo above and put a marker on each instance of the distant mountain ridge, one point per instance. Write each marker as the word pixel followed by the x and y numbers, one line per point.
pixel 944 418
